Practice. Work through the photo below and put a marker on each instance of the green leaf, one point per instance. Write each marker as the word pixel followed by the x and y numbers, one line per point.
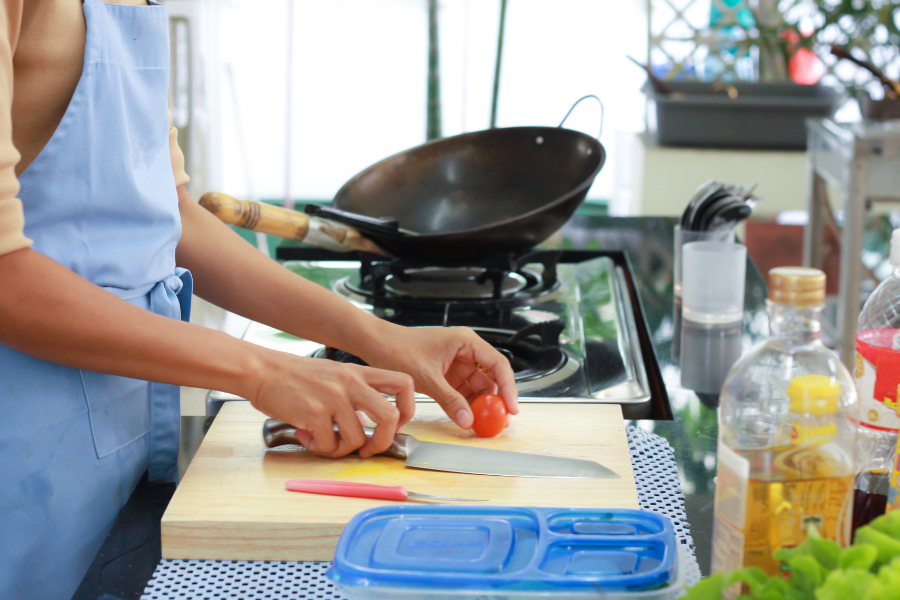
pixel 754 577
pixel 889 580
pixel 859 556
pixel 847 585
pixel 827 552
pixel 708 588
pixel 888 524
pixel 806 573
pixel 777 588
pixel 888 547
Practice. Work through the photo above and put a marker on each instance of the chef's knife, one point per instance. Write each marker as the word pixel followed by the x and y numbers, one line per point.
pixel 463 459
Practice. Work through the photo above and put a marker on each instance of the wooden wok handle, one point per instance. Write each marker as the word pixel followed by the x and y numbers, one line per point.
pixel 288 224
pixel 256 216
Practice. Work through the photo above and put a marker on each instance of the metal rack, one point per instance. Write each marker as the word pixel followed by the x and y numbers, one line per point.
pixel 862 160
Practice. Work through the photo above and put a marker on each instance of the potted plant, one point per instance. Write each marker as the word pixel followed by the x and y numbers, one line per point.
pixel 790 36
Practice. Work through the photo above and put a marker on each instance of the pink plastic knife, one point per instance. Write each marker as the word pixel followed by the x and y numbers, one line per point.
pixel 363 490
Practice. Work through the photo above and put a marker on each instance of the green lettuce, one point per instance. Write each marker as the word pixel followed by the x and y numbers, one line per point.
pixel 821 570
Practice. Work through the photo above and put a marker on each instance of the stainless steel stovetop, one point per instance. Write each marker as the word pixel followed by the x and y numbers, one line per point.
pixel 567 323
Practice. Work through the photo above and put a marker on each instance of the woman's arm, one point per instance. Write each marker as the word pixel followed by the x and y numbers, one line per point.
pixel 51 313
pixel 444 362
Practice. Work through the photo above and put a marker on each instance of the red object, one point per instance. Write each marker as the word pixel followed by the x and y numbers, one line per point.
pixel 347 488
pixel 490 415
pixel 875 345
pixel 804 66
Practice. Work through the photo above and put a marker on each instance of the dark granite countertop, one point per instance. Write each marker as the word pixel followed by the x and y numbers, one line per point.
pixel 132 551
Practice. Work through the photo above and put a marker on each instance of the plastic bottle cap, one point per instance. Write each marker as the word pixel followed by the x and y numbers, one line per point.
pixel 814 394
pixel 797 286
pixel 895 248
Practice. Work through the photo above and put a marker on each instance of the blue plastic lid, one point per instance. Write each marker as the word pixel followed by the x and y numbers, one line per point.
pixel 497 547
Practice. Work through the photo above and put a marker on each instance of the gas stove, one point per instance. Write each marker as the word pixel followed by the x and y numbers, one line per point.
pixel 570 322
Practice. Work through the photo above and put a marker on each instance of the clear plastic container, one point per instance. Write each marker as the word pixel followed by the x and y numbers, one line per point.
pixel 877 374
pixel 494 552
pixel 787 435
pixel 713 282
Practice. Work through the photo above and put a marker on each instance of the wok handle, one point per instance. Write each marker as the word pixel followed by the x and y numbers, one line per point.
pixel 602 112
pixel 284 223
pixel 362 222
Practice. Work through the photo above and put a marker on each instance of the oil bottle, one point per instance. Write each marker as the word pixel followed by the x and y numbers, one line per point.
pixel 787 435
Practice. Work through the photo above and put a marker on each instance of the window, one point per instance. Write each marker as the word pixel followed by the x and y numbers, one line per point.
pixel 359 90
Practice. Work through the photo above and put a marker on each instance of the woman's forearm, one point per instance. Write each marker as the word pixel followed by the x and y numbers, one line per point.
pixel 49 312
pixel 232 274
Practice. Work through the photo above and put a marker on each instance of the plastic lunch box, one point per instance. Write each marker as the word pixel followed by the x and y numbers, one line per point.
pixel 495 552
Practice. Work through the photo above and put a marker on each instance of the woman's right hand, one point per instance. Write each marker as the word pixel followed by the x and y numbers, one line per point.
pixel 313 394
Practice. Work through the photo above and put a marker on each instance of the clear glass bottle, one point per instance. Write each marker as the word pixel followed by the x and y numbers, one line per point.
pixel 787 435
pixel 877 374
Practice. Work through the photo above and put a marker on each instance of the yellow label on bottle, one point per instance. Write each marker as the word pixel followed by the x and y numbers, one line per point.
pixel 803 434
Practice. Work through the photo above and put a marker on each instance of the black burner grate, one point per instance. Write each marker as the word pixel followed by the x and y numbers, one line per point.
pixel 497 282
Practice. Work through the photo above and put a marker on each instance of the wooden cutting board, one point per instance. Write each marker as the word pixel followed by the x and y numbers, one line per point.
pixel 232 505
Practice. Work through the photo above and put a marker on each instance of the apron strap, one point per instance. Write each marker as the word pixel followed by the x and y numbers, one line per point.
pixel 169 298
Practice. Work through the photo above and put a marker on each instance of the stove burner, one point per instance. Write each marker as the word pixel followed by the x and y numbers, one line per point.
pixel 452 283
pixel 495 283
pixel 533 352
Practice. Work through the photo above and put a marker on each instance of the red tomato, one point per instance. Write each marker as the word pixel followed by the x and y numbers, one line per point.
pixel 490 415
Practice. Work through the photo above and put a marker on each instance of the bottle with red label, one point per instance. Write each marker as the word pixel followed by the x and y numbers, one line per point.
pixel 877 374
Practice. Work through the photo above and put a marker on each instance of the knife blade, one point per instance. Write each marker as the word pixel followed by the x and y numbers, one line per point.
pixel 457 458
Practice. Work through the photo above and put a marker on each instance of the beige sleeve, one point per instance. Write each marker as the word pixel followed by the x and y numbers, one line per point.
pixel 12 218
pixel 181 176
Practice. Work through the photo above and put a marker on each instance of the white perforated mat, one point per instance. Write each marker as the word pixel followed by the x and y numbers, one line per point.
pixel 658 489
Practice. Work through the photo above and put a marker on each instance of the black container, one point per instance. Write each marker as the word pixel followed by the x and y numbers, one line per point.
pixel 739 115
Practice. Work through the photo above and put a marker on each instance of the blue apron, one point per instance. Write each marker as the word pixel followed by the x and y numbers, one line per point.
pixel 100 199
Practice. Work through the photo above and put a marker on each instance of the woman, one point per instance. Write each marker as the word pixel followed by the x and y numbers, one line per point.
pixel 98 240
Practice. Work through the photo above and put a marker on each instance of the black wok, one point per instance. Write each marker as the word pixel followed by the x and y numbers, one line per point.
pixel 462 198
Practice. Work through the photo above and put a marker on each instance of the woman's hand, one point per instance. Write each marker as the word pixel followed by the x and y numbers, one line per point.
pixel 453 365
pixel 313 394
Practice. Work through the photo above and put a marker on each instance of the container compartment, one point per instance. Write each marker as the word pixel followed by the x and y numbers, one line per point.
pixel 585 559
pixel 458 544
pixel 598 522
pixel 425 543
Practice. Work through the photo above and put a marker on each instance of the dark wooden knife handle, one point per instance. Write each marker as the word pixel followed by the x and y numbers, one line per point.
pixel 278 433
